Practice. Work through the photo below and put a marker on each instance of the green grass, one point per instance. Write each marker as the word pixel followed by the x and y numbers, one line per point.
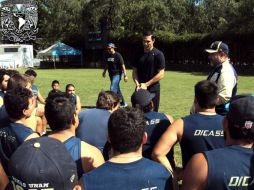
pixel 177 88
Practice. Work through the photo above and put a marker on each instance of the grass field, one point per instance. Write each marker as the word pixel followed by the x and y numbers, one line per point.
pixel 177 88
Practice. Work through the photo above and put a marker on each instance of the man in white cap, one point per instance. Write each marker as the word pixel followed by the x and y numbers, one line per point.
pixel 223 74
pixel 115 66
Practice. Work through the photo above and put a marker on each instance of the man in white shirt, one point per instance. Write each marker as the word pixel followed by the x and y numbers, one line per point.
pixel 223 74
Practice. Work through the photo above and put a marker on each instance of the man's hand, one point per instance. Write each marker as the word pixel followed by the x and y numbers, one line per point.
pixel 125 78
pixel 104 74
pixel 143 86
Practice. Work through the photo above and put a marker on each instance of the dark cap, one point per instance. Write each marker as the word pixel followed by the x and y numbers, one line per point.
pixel 42 163
pixel 218 46
pixel 142 97
pixel 241 113
pixel 111 45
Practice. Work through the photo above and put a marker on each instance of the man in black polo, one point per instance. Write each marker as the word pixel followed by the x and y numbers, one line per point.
pixel 149 68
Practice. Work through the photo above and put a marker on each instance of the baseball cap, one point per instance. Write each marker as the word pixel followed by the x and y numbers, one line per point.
pixel 218 46
pixel 42 163
pixel 241 113
pixel 142 97
pixel 111 45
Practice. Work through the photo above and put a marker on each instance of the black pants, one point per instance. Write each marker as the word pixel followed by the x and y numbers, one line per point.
pixel 156 99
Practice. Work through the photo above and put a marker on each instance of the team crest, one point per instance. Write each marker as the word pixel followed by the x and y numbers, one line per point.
pixel 248 124
pixel 19 20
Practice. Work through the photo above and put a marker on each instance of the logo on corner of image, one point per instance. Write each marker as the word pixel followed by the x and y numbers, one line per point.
pixel 19 20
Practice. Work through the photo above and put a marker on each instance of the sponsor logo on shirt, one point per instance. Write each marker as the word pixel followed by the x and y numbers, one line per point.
pixel 207 133
pixel 153 122
pixel 111 59
pixel 240 181
pixel 149 188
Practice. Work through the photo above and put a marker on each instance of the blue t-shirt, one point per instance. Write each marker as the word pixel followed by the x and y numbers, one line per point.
pixel 230 168
pixel 201 133
pixel 93 127
pixel 138 175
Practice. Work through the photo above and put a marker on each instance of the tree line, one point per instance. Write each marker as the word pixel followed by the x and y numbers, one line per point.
pixel 70 20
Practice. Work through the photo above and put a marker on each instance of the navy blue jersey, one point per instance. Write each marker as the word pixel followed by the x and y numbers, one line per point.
pixel 201 133
pixel 156 124
pixel 230 168
pixel 21 131
pixel 73 145
pixel 11 137
pixel 141 174
pixel 114 63
pixel 2 94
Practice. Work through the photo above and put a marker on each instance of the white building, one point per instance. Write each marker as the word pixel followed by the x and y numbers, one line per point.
pixel 16 55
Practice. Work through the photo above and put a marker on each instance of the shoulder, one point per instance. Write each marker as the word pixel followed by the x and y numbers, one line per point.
pixel 217 151
pixel 118 54
pixel 227 67
pixel 90 150
pixel 157 52
pixel 156 167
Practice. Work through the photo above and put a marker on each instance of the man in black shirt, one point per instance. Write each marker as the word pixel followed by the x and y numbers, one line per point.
pixel 115 66
pixel 149 68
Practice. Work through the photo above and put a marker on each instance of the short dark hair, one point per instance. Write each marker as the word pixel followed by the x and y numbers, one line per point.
pixel 69 85
pixel 12 72
pixel 59 111
pixel 16 100
pixel 107 100
pixel 2 73
pixel 54 82
pixel 148 33
pixel 206 93
pixel 31 72
pixel 126 127
pixel 18 80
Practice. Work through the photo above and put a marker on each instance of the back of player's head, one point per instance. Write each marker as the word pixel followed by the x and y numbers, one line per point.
pixel 54 82
pixel 107 100
pixel 16 101
pixel 31 72
pixel 18 80
pixel 126 127
pixel 241 117
pixel 206 94
pixel 59 111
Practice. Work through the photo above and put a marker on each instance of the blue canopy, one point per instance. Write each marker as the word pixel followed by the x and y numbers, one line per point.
pixel 60 49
